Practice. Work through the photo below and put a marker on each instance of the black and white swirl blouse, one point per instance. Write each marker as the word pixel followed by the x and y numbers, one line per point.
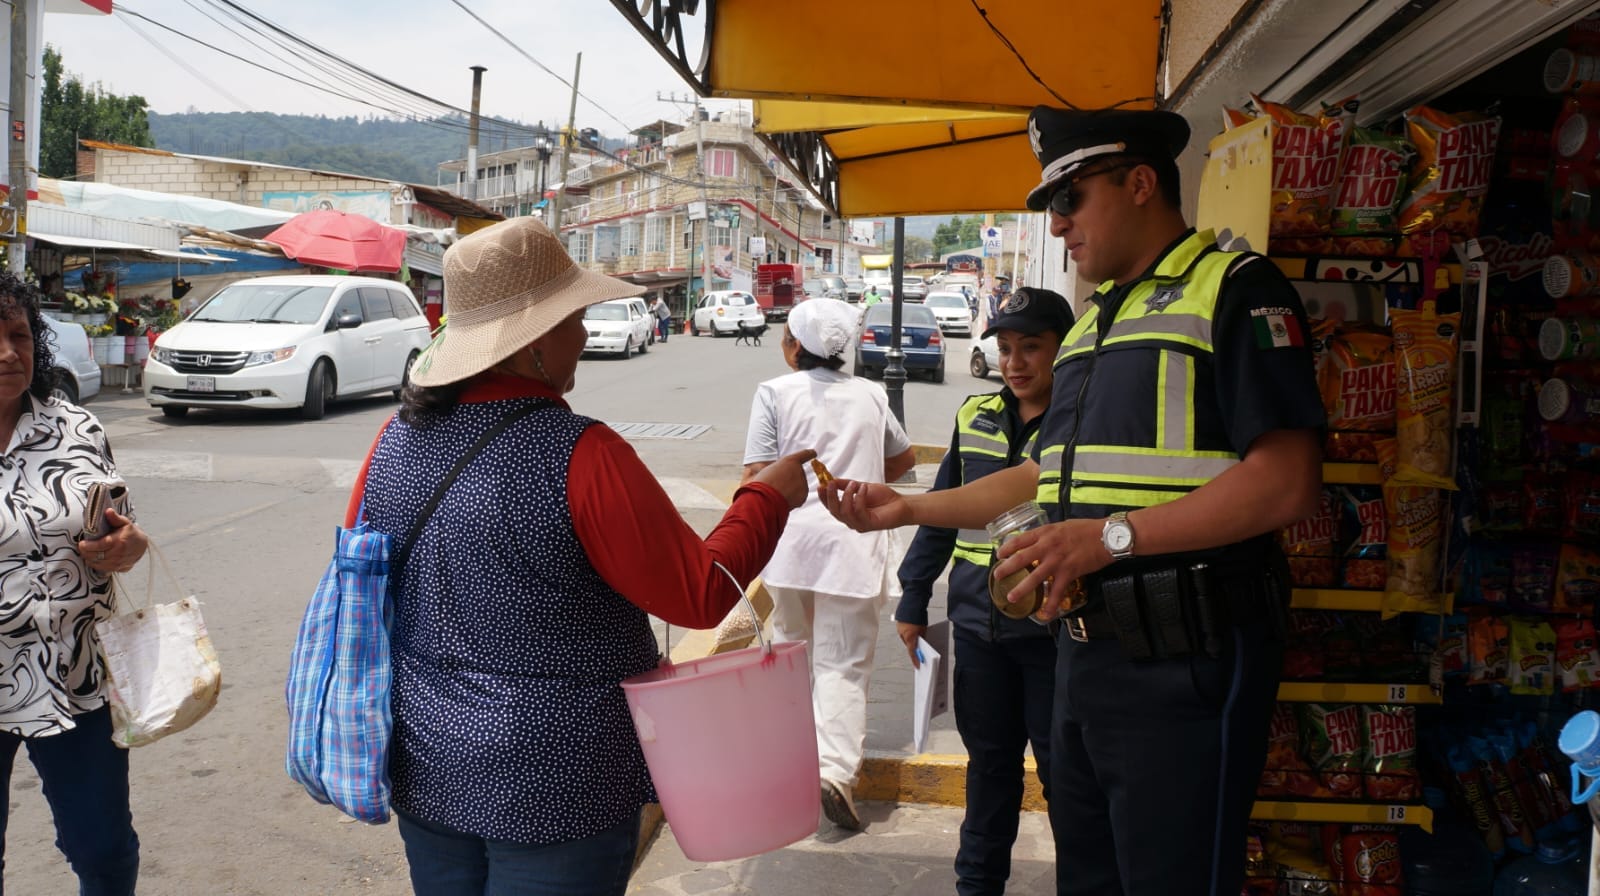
pixel 50 662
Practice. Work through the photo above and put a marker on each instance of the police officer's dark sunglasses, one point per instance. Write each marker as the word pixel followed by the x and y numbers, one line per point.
pixel 1068 197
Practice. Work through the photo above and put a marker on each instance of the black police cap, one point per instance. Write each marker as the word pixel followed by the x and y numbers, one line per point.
pixel 1067 139
pixel 1031 311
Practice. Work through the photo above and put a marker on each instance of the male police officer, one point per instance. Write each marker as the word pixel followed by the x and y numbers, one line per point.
pixel 1183 430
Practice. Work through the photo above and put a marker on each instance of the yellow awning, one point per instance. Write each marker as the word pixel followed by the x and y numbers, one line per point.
pixel 921 104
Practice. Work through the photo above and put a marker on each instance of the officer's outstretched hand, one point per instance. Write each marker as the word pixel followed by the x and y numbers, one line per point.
pixel 865 506
pixel 1064 552
pixel 788 475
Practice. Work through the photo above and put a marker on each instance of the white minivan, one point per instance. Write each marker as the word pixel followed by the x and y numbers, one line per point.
pixel 288 342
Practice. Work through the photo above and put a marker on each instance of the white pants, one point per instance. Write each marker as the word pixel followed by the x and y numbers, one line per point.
pixel 843 636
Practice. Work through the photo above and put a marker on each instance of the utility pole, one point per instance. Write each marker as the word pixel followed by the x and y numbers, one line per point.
pixel 894 368
pixel 568 137
pixel 705 193
pixel 472 138
pixel 17 161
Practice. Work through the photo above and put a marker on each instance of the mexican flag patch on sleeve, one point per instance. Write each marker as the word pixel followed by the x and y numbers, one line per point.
pixel 1277 328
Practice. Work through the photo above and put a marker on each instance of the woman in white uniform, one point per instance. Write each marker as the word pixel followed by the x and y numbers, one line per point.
pixel 829 584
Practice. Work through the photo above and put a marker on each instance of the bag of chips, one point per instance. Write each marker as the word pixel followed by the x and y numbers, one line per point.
pixel 1312 546
pixel 1391 761
pixel 1473 790
pixel 1503 795
pixel 1303 653
pixel 1369 861
pixel 1581 507
pixel 1372 184
pixel 1425 366
pixel 1416 531
pixel 1451 173
pixel 1305 169
pixel 1286 773
pixel 1577 661
pixel 1366 538
pixel 1487 643
pixel 1542 500
pixel 1533 577
pixel 1531 659
pixel 1331 736
pixel 1358 383
pixel 1388 451
pixel 1577 580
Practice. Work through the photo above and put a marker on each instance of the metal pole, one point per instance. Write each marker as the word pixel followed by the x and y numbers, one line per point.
pixel 17 161
pixel 894 370
pixel 472 137
pixel 705 199
pixel 567 139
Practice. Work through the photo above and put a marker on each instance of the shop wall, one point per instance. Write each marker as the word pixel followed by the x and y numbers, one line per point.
pixel 218 180
pixel 1194 26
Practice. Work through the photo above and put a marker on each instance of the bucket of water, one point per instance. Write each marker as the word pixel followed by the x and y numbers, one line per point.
pixel 732 748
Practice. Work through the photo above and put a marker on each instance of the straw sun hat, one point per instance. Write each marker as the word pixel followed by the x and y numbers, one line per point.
pixel 504 287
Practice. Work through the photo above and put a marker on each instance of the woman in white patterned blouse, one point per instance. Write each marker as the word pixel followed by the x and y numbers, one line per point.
pixel 54 585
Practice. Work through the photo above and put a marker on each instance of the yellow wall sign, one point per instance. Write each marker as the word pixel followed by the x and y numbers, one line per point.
pixel 1236 187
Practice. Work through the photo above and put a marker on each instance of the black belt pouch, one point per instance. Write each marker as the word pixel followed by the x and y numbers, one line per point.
pixel 1121 597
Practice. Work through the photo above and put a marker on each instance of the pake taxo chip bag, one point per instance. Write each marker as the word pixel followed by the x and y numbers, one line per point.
pixel 1366 538
pixel 1312 546
pixel 1450 177
pixel 1391 762
pixel 1357 381
pixel 1364 217
pixel 1332 737
pixel 1306 151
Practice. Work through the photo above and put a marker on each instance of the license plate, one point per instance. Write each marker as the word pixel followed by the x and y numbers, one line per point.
pixel 907 341
pixel 202 384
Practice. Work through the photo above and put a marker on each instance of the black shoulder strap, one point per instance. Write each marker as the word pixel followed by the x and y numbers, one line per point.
pixel 450 477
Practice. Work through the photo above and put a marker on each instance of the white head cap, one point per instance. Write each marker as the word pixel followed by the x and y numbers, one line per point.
pixel 823 326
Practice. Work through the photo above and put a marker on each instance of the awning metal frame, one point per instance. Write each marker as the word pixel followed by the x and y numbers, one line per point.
pixel 662 23
pixel 808 153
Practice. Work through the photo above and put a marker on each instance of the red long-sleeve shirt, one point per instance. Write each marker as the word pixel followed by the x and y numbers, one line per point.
pixel 634 536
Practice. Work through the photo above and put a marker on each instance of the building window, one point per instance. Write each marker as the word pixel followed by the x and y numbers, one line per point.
pixel 630 238
pixel 720 163
pixel 580 243
pixel 655 235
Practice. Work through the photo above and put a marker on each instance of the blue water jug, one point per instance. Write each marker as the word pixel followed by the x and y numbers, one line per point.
pixel 1580 740
pixel 1557 869
pixel 1451 861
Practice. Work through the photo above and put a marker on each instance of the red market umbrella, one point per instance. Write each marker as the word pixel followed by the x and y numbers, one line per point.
pixel 337 239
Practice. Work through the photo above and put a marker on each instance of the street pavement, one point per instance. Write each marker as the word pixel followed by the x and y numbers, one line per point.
pixel 244 506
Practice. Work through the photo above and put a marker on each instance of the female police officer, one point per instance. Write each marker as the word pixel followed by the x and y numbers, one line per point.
pixel 1184 429
pixel 1004 678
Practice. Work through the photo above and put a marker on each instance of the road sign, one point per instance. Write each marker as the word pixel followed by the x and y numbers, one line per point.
pixel 991 241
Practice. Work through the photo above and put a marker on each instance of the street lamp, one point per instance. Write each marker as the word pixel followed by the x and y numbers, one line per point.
pixel 542 145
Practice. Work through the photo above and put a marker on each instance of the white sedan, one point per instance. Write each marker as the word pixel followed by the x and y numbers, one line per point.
pixel 619 326
pixel 985 357
pixel 952 312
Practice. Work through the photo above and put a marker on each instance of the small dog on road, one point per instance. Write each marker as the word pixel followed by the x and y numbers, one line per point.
pixel 750 335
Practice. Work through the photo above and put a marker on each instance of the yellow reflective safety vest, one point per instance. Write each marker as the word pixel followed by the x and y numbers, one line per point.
pixel 1134 416
pixel 984 447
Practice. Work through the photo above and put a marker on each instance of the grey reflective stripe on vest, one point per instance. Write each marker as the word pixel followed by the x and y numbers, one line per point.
pixel 1190 329
pixel 1148 465
pixel 1175 386
pixel 994 446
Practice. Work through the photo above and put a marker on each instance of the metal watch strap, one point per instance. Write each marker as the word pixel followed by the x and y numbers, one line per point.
pixel 1119 517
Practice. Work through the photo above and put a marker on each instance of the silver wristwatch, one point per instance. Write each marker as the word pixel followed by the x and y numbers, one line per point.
pixel 1117 536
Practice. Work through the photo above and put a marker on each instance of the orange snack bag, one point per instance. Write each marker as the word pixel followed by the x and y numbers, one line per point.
pixel 1306 151
pixel 1358 380
pixel 1425 366
pixel 1416 533
pixel 1450 177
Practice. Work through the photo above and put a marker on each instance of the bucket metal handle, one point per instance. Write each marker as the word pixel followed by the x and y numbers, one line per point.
pixel 744 598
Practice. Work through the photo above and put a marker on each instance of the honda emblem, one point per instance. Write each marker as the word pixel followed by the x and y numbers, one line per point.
pixel 203 361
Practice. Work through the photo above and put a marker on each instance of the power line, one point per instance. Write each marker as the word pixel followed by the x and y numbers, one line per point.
pixel 524 53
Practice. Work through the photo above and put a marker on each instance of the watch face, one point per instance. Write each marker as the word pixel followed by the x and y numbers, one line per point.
pixel 1119 537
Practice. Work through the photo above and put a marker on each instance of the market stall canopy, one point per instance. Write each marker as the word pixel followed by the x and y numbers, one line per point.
pixel 341 240
pixel 859 151
pixel 112 201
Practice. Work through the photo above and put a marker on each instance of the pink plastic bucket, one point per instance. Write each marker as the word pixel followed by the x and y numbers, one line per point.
pixel 732 749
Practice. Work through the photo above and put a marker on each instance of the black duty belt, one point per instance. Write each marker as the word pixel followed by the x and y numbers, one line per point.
pixel 1177 611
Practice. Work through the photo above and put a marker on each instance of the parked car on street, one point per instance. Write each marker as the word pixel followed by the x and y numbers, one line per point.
pixel 288 342
pixel 950 309
pixel 853 290
pixel 619 326
pixel 719 313
pixel 913 287
pixel 77 374
pixel 985 357
pixel 827 287
pixel 919 340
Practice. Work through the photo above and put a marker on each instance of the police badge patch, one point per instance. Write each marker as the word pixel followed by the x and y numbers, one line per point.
pixel 1163 296
pixel 1015 303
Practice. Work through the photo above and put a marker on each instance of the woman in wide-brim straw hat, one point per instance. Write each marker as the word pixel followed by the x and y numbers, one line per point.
pixel 522 605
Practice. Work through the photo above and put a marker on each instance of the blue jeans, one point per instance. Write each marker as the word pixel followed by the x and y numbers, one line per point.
pixel 85 781
pixel 448 862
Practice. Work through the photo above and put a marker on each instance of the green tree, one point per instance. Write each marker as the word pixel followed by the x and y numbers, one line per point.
pixel 946 235
pixel 919 249
pixel 73 112
pixel 971 232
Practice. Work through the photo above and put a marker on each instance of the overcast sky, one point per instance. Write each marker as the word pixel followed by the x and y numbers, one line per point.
pixel 426 45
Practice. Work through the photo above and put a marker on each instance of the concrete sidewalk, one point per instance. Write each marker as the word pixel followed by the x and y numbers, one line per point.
pixel 912 805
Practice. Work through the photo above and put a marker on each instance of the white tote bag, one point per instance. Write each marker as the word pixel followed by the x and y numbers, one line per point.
pixel 163 671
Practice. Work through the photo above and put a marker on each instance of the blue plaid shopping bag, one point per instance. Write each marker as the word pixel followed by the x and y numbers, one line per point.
pixel 338 688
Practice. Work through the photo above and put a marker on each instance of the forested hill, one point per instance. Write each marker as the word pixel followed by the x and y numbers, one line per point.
pixel 377 147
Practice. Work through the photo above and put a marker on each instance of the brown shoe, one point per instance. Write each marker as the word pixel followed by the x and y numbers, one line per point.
pixel 838 807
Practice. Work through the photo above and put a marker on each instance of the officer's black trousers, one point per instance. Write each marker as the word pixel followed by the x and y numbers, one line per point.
pixel 1003 693
pixel 1154 766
